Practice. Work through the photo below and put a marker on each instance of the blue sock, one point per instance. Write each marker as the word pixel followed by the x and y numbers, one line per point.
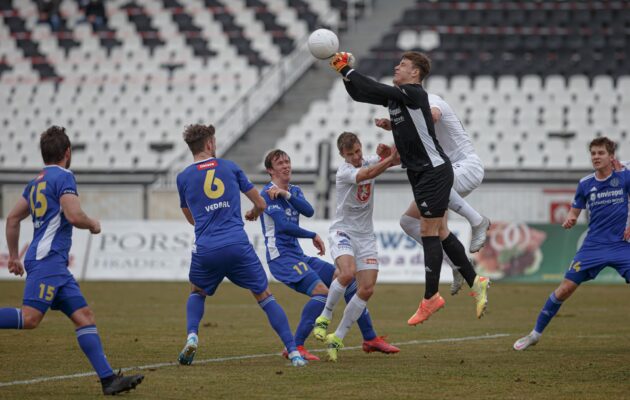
pixel 364 321
pixel 550 309
pixel 279 322
pixel 312 309
pixel 11 318
pixel 194 312
pixel 90 343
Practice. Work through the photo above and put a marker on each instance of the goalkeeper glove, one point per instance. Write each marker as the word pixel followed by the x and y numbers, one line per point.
pixel 340 60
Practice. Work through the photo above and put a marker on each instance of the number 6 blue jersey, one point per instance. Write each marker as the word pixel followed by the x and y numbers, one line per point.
pixel 211 190
pixel 52 233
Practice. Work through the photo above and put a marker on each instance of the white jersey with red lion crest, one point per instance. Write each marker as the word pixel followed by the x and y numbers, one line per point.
pixel 355 201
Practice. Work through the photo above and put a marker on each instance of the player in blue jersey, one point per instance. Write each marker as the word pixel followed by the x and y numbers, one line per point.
pixel 605 195
pixel 210 198
pixel 287 261
pixel 52 201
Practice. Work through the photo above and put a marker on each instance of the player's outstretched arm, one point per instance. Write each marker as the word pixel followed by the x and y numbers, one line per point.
pixel 378 92
pixel 258 202
pixel 16 215
pixel 375 170
pixel 71 206
pixel 572 217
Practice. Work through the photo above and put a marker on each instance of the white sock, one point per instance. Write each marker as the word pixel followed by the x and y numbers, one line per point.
pixel 461 207
pixel 335 293
pixel 411 226
pixel 351 314
pixel 535 334
pixel 294 353
pixel 192 334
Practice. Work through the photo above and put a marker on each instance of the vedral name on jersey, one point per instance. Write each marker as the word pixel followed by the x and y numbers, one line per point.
pixel 216 206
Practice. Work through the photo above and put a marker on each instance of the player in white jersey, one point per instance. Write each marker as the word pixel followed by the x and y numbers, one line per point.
pixel 352 238
pixel 468 171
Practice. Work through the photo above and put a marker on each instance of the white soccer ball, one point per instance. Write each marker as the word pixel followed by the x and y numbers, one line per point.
pixel 323 44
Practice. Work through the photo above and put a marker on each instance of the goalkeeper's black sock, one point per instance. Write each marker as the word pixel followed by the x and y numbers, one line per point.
pixel 433 264
pixel 456 252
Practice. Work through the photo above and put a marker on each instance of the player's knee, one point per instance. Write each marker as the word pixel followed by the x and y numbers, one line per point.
pixel 320 289
pixel 365 293
pixel 83 317
pixel 430 227
pixel 409 225
pixel 31 320
pixel 345 277
pixel 565 290
pixel 195 289
pixel 262 296
pixel 88 316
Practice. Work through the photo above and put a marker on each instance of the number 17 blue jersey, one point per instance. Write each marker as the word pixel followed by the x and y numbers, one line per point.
pixel 211 190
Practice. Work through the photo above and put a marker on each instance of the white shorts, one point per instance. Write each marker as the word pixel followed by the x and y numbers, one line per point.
pixel 361 247
pixel 468 174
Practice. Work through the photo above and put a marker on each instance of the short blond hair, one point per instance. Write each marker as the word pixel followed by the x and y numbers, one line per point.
pixel 346 141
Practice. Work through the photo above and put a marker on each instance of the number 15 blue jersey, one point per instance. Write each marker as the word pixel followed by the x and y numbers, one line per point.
pixel 211 190
pixel 52 235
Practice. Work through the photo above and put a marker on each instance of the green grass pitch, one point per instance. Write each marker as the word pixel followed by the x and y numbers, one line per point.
pixel 584 353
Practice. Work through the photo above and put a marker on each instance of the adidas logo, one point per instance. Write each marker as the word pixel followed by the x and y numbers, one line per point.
pixel 428 213
pixel 593 189
pixel 424 204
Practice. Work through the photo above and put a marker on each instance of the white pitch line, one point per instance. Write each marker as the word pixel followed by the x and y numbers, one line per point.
pixel 245 357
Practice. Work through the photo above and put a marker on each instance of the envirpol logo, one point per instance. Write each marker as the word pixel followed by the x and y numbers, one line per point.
pixel 610 193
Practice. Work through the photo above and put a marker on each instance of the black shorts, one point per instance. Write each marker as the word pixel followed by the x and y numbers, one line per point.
pixel 431 189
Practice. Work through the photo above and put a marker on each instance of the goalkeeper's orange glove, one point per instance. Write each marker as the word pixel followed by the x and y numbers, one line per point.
pixel 340 60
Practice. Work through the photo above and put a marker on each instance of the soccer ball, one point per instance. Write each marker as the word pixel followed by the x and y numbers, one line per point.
pixel 323 44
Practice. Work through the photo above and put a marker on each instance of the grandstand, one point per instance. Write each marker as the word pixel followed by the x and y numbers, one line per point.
pixel 532 82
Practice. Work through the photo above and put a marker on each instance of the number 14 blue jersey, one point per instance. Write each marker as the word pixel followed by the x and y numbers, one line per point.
pixel 607 201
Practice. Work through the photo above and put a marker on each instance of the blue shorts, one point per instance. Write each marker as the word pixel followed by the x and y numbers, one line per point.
pixel 302 273
pixel 592 258
pixel 237 262
pixel 57 292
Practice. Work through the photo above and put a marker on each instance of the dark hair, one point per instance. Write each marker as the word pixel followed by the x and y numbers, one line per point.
pixel 604 141
pixel 196 136
pixel 273 155
pixel 346 140
pixel 420 61
pixel 53 143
